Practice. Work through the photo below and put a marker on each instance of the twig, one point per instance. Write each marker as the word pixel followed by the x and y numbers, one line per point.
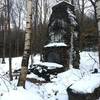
pixel 5 84
pixel 92 58
pixel 5 79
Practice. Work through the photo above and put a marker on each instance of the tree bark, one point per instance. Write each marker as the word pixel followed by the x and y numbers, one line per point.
pixel 27 45
pixel 19 5
pixel 3 31
pixel 45 10
pixel 98 23
pixel 9 32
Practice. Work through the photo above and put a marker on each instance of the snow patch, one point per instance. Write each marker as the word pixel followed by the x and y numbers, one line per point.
pixel 49 65
pixel 55 45
pixel 87 84
pixel 21 94
pixel 35 77
pixel 87 63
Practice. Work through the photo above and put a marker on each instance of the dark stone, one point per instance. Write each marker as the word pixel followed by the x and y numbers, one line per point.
pixel 53 57
pixel 3 61
pixel 81 96
pixel 44 72
pixel 61 26
pixel 41 71
pixel 95 70
pixel 60 22
pixel 58 55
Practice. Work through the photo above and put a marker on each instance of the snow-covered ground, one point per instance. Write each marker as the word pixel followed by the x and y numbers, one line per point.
pixel 56 90
pixel 89 61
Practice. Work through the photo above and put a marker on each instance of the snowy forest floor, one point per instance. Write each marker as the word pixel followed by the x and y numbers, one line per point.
pixel 56 89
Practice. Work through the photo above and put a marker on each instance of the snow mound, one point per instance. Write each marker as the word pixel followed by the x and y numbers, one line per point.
pixel 32 75
pixel 49 65
pixel 87 84
pixel 36 58
pixel 89 61
pixel 55 45
pixel 21 94
pixel 69 77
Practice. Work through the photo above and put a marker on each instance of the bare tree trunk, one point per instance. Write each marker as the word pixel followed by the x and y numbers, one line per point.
pixel 98 22
pixel 72 2
pixel 4 43
pixel 40 28
pixel 45 11
pixel 82 14
pixel 18 34
pixel 19 5
pixel 96 5
pixel 36 23
pixel 93 2
pixel 9 32
pixel 27 46
pixel 5 32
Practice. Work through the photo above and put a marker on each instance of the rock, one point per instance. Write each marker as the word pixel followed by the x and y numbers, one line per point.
pixel 83 96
